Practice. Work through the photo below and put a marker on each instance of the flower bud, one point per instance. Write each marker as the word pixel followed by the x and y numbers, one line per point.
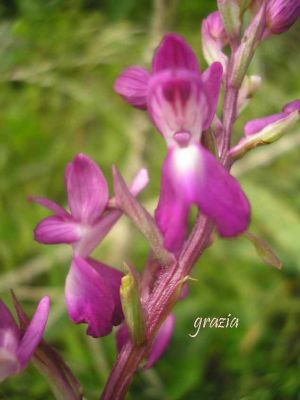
pixel 132 307
pixel 249 86
pixel 281 15
pixel 214 39
pixel 272 128
pixel 231 15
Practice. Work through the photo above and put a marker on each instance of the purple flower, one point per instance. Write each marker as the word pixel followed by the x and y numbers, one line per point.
pixel 16 348
pixel 90 218
pixel 182 103
pixel 159 344
pixel 92 288
pixel 281 15
pixel 214 39
pixel 256 125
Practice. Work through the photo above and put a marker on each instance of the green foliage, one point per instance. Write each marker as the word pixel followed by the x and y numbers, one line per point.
pixel 58 62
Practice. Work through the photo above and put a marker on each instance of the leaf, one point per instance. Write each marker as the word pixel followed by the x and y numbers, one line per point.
pixel 264 250
pixel 141 218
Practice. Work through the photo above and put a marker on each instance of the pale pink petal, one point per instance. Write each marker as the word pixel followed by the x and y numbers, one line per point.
pixel 9 365
pixel 140 181
pixel 9 333
pixel 178 104
pixel 174 53
pixel 54 230
pixel 113 278
pixel 132 85
pixel 161 341
pixel 50 205
pixel 34 332
pixel 89 299
pixel 87 189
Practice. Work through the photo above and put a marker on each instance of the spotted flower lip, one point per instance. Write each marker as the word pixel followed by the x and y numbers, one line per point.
pixel 182 101
pixel 90 218
pixel 17 348
pixel 159 344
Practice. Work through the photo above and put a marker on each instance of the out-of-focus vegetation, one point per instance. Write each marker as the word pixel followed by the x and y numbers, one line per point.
pixel 58 62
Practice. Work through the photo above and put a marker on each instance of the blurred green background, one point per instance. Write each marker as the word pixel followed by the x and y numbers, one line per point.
pixel 58 62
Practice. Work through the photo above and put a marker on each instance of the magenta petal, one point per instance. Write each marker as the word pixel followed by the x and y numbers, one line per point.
pixel 257 125
pixel 87 189
pixel 292 106
pixel 34 332
pixel 212 79
pixel 54 230
pixel 171 213
pixel 113 279
pixel 132 85
pixel 174 53
pixel 161 341
pixel 198 178
pixel 89 299
pixel 50 205
pixel 220 196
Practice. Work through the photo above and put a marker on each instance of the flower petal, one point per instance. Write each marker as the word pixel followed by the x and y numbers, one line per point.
pixel 87 189
pixel 198 178
pixel 9 333
pixel 171 213
pixel 50 205
pixel 132 85
pixel 178 103
pixel 34 332
pixel 212 79
pixel 140 181
pixel 174 53
pixel 161 341
pixel 122 337
pixel 88 298
pixel 54 230
pixel 9 364
pixel 113 279
pixel 93 235
pixel 257 125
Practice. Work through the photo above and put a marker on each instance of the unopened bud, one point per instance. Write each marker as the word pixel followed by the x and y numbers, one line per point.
pixel 214 39
pixel 268 134
pixel 248 89
pixel 232 17
pixel 281 15
pixel 132 308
